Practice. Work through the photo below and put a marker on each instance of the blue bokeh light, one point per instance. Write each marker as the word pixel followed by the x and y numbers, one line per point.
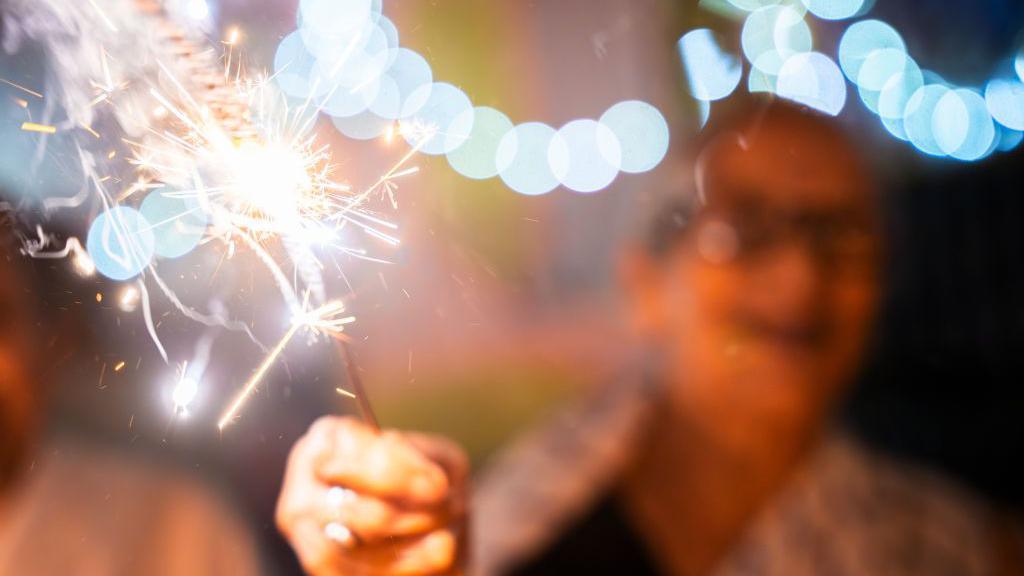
pixel 120 243
pixel 642 133
pixel 917 118
pixel 1008 139
pixel 177 222
pixel 892 100
pixel 522 159
pixel 834 9
pixel 962 125
pixel 477 157
pixel 758 81
pixel 585 155
pixel 712 73
pixel 1005 100
pixel 863 38
pixel 813 79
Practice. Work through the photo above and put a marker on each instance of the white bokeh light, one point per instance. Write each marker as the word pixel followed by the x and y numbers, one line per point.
pixel 642 133
pixel 585 156
pixel 712 73
pixel 522 159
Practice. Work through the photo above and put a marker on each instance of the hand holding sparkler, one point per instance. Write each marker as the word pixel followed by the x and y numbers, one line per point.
pixel 359 501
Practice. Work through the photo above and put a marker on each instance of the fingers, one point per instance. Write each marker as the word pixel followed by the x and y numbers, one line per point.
pixel 433 553
pixel 373 519
pixel 385 465
pixel 357 501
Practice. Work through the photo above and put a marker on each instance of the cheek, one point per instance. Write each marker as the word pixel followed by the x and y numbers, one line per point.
pixel 854 308
pixel 701 300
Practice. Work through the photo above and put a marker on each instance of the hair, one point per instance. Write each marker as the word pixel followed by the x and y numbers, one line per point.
pixel 741 118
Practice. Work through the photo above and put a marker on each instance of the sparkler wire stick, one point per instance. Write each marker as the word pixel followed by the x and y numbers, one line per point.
pixel 356 382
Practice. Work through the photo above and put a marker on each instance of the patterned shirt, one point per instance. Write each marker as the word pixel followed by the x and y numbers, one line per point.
pixel 846 512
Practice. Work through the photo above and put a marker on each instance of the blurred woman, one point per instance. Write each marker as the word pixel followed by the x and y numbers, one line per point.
pixel 755 298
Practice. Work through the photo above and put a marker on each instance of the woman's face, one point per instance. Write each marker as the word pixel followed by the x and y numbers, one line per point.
pixel 764 307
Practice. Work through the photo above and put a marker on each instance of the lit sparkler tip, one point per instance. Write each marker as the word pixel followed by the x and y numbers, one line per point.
pixel 184 392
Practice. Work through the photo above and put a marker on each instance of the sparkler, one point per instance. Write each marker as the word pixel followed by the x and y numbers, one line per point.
pixel 232 150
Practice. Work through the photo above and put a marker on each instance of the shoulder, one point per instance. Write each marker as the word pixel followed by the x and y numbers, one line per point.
pixel 125 515
pixel 552 475
pixel 855 511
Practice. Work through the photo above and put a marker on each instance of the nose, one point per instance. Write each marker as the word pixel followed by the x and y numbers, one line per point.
pixel 792 280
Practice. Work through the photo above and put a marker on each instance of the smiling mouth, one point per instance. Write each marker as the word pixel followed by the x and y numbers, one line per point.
pixel 800 337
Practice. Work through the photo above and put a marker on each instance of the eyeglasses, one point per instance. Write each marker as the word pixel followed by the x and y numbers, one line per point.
pixel 745 235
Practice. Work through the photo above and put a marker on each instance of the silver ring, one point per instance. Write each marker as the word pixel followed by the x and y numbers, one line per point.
pixel 339 533
pixel 335 530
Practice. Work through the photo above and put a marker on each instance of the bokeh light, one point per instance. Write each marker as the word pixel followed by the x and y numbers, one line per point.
pixel 897 90
pixel 120 243
pixel 862 39
pixel 363 126
pixel 834 9
pixel 1005 100
pixel 585 155
pixel 1008 138
pixel 758 81
pixel 409 73
pixel 293 66
pixel 477 157
pixel 772 34
pixel 813 79
pixel 522 159
pixel 178 222
pixel 712 73
pixel 962 125
pixel 346 57
pixel 443 109
pixel 914 105
pixel 333 28
pixel 642 133
pixel 917 119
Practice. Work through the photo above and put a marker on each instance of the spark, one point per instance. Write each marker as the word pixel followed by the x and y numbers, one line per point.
pixel 80 260
pixel 323 320
pixel 119 366
pixel 128 299
pixel 89 129
pixel 22 88
pixel 184 392
pixel 43 128
pixel 252 164
pixel 103 16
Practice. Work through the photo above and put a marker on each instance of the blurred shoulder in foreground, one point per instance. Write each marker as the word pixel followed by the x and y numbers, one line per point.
pixel 80 509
